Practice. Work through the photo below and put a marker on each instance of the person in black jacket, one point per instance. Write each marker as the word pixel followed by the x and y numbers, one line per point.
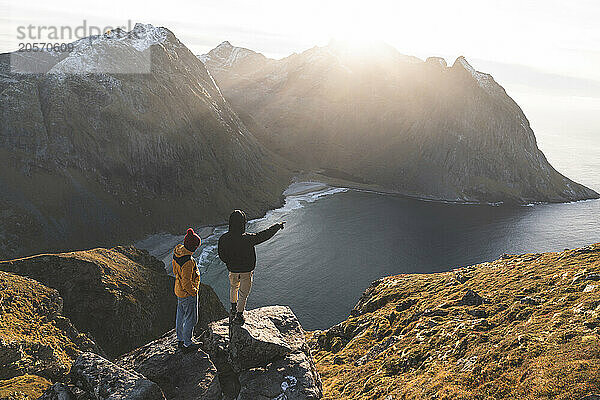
pixel 236 250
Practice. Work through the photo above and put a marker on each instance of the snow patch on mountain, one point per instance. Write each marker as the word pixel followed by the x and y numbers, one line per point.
pixel 116 51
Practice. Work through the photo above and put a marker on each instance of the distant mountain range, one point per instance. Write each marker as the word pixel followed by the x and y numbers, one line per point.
pixel 416 127
pixel 94 153
pixel 129 134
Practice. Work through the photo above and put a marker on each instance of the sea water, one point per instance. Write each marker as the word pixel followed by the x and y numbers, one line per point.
pixel 337 241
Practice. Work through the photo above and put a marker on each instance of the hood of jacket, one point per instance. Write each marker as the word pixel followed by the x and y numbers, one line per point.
pixel 237 222
pixel 181 251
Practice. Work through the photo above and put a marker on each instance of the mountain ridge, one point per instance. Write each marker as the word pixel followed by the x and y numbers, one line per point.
pixel 126 135
pixel 418 127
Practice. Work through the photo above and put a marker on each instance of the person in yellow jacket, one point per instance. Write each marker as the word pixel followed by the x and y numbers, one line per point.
pixel 187 283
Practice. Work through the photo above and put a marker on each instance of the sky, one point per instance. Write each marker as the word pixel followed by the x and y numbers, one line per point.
pixel 545 53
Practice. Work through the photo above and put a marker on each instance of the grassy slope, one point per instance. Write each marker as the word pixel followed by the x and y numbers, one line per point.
pixel 36 342
pixel 23 387
pixel 105 293
pixel 537 335
pixel 122 296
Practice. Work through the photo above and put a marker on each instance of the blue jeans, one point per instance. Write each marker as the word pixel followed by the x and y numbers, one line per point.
pixel 187 318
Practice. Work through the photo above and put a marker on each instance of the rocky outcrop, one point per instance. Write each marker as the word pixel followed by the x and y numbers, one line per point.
pixel 418 128
pixel 524 326
pixel 180 376
pixel 292 377
pixel 266 358
pixel 101 379
pixel 93 377
pixel 37 343
pixel 123 136
pixel 121 296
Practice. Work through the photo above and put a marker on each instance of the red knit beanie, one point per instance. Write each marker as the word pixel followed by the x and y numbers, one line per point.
pixel 191 240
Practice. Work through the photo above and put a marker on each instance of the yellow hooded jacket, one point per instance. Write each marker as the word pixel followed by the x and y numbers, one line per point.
pixel 187 277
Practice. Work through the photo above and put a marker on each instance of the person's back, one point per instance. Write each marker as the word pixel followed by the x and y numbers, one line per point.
pixel 236 250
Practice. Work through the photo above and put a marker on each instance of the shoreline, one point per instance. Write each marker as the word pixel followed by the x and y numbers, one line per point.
pixel 317 177
pixel 161 244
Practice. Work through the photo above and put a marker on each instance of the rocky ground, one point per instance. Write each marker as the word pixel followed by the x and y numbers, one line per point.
pixel 123 296
pixel 266 359
pixel 524 326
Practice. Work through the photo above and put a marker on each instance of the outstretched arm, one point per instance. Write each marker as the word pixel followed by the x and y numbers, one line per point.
pixel 263 236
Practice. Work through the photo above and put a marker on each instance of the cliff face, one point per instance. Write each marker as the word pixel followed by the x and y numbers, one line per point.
pixel 121 296
pixel 126 135
pixel 524 326
pixel 419 128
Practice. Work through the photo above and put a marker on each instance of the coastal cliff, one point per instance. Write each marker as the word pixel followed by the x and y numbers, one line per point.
pixel 524 326
pixel 418 128
pixel 123 136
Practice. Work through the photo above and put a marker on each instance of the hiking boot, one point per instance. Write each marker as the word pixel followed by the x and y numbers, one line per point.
pixel 239 318
pixel 191 348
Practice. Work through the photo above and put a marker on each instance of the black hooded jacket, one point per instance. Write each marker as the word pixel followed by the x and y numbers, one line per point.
pixel 236 247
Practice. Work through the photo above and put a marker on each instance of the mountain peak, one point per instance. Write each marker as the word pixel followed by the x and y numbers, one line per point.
pixel 437 61
pixel 485 81
pixel 226 56
pixel 461 61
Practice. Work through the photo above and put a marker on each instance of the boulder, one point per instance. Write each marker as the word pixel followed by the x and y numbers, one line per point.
pixel 266 358
pixel 471 298
pixel 292 377
pixel 100 379
pixel 269 333
pixel 179 375
pixel 58 391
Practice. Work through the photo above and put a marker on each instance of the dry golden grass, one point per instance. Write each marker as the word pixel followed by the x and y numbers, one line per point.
pixel 121 296
pixel 28 309
pixel 536 336
pixel 37 344
pixel 23 387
